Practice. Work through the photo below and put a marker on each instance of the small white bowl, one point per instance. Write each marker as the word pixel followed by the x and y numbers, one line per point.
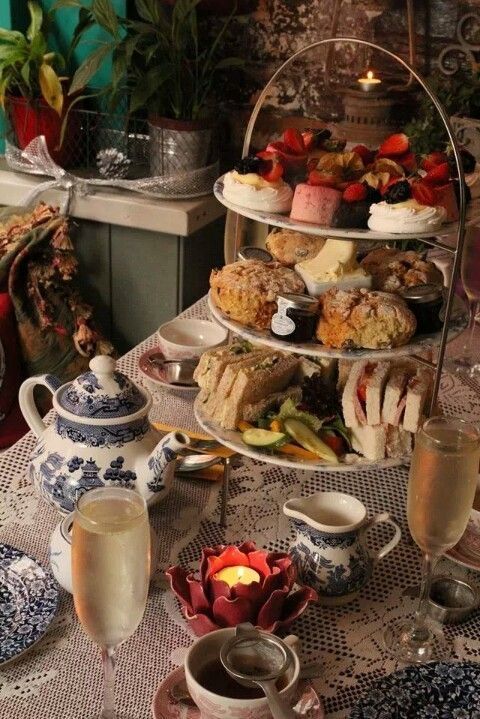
pixel 185 338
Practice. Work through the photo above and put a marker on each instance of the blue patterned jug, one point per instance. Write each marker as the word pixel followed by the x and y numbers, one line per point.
pixel 100 436
pixel 329 551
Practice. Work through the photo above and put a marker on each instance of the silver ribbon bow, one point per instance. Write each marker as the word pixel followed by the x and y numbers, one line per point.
pixel 35 159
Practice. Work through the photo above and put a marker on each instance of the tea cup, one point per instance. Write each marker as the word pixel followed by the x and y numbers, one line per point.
pixel 204 657
pixel 330 552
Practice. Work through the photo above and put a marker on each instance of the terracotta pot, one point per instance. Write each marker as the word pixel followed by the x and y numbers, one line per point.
pixel 30 119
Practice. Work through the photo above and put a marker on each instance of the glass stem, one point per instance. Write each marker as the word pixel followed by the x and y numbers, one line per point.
pixel 108 661
pixel 429 564
pixel 469 344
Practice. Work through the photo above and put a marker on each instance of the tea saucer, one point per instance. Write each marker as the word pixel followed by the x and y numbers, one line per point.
pixel 155 375
pixel 460 555
pixel 308 705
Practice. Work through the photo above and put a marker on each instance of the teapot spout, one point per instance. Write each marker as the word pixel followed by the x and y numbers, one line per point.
pixel 165 452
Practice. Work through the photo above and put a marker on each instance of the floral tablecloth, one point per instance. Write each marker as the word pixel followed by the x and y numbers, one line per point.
pixel 61 676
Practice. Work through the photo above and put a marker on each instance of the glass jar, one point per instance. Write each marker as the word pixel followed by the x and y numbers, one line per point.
pixel 295 319
pixel 425 301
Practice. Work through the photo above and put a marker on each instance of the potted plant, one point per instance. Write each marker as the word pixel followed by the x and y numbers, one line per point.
pixel 31 90
pixel 166 61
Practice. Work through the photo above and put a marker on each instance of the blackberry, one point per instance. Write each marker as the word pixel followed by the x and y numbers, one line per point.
pixel 248 164
pixel 399 192
pixel 333 145
pixel 319 135
pixel 373 195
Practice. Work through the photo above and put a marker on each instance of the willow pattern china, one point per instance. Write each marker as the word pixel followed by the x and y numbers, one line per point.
pixel 329 550
pixel 155 375
pixel 100 436
pixel 437 690
pixel 28 602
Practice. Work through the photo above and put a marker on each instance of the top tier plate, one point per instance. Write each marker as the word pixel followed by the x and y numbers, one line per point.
pixel 277 220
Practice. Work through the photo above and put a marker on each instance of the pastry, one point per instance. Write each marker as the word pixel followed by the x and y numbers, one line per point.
pixel 315 204
pixel 405 217
pixel 335 266
pixel 255 193
pixel 359 318
pixel 289 247
pixel 393 270
pixel 247 291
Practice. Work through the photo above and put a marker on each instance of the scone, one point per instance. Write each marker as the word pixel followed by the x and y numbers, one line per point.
pixel 290 247
pixel 247 290
pixel 359 318
pixel 393 270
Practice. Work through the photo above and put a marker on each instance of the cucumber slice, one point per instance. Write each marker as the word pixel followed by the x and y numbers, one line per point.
pixel 309 440
pixel 263 438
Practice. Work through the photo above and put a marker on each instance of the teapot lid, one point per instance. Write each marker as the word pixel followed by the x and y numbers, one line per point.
pixel 102 392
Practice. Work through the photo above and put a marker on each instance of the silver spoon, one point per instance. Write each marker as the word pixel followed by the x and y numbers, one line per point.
pixel 254 658
pixel 193 462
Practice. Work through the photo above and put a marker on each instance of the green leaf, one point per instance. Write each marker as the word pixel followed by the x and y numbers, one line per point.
pixel 153 81
pixel 36 19
pixel 230 62
pixel 106 16
pixel 85 21
pixel 151 11
pixel 25 73
pixel 65 3
pixel 89 67
pixel 12 36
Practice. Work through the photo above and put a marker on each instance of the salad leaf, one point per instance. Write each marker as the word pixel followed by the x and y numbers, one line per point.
pixel 289 410
pixel 339 427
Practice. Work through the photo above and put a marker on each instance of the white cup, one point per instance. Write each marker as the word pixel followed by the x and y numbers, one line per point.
pixel 216 706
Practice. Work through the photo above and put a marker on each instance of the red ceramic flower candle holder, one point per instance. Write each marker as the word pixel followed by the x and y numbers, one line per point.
pixel 240 584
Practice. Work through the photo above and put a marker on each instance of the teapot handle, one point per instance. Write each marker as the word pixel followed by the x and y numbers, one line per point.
pixel 377 519
pixel 27 402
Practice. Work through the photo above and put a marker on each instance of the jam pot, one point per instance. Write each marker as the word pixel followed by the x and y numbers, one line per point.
pixel 296 318
pixel 425 301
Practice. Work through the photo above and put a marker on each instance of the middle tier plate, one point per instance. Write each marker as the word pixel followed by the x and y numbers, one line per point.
pixel 458 323
pixel 233 440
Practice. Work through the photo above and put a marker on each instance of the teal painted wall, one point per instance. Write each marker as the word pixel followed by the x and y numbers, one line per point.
pixel 14 14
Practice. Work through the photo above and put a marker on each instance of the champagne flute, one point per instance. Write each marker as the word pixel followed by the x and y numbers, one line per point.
pixel 110 571
pixel 468 362
pixel 441 488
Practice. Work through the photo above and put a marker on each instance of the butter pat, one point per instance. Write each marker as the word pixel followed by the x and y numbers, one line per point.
pixel 335 266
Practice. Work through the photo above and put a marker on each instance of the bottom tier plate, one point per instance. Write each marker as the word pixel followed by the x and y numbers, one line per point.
pixel 233 440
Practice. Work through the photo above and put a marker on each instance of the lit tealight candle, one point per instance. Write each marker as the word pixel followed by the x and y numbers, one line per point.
pixel 369 83
pixel 237 575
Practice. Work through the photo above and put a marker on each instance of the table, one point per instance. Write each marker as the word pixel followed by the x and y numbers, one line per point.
pixel 61 676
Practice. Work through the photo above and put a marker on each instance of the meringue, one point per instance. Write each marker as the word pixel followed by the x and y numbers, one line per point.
pixel 409 217
pixel 257 194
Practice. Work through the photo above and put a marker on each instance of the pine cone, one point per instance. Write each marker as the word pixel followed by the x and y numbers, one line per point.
pixel 112 163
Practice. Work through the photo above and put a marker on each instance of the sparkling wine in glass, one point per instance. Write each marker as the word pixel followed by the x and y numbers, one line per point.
pixel 441 488
pixel 468 362
pixel 110 571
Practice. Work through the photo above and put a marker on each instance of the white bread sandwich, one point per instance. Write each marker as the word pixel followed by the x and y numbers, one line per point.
pixel 253 383
pixel 362 396
pixel 418 393
pixel 395 396
pixel 370 441
pixel 253 412
pixel 406 393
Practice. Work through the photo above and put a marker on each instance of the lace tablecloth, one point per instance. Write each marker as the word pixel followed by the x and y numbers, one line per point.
pixel 61 676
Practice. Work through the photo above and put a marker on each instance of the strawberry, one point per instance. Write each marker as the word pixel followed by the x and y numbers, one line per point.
pixel 438 175
pixel 408 161
pixel 322 178
pixel 362 393
pixel 394 146
pixel 392 181
pixel 367 155
pixel 271 168
pixel 312 164
pixel 355 192
pixel 432 160
pixel 423 193
pixel 293 139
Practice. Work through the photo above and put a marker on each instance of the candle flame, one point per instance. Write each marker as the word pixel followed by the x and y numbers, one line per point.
pixel 370 75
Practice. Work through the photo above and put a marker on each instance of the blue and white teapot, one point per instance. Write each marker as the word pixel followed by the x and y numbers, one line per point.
pixel 100 436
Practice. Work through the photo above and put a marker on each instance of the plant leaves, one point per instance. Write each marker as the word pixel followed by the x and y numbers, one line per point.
pixel 85 21
pixel 36 19
pixel 65 3
pixel 51 87
pixel 106 16
pixel 25 72
pixel 89 67
pixel 230 62
pixel 152 82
